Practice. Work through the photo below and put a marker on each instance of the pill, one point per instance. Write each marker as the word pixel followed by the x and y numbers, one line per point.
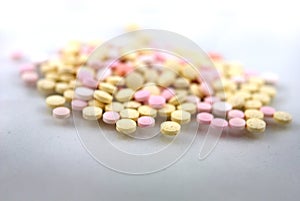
pixel 221 108
pixel 152 88
pixel 78 105
pixel 109 88
pixel 168 93
pixel 150 75
pixel 181 83
pixel 177 99
pixel 195 90
pixel 90 82
pixel 129 114
pixel 115 80
pixel 146 110
pixel 17 55
pixel 267 111
pixel 61 87
pixel 26 68
pixel 96 103
pixel 102 96
pixel 188 107
pixel 237 123
pixel 142 95
pixel 110 117
pixel 124 95
pixel 166 110
pixel 204 118
pixel 132 104
pixel 270 90
pixel 253 104
pixel 126 126
pixel 84 93
pixel 92 113
pixel 55 101
pixel 236 114
pixel 30 77
pixel 255 125
pixel 134 80
pixel 219 123
pixel 157 102
pixel 69 95
pixel 282 117
pixel 181 116
pixel 212 99
pixel 166 78
pixel 189 72
pixel 237 101
pixel 61 112
pixel 253 113
pixel 146 122
pixel 192 99
pixel 204 107
pixel 263 98
pixel 257 80
pixel 170 128
pixel 46 86
pixel 114 106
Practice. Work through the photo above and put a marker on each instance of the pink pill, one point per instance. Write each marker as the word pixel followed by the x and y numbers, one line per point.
pixel 26 68
pixel 111 117
pixel 90 82
pixel 30 78
pixel 236 114
pixel 61 112
pixel 146 122
pixel 142 95
pixel 268 111
pixel 157 102
pixel 237 123
pixel 168 93
pixel 212 99
pixel 219 123
pixel 84 74
pixel 17 55
pixel 204 118
pixel 204 107
pixel 78 105
pixel 270 78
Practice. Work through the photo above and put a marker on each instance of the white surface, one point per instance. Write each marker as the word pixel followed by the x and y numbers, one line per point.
pixel 42 159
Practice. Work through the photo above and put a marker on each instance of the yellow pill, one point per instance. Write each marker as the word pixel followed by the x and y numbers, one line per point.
pixel 181 92
pixel 181 83
pixel 114 106
pixel 271 91
pixel 61 87
pixel 189 72
pixel 103 96
pixel 115 80
pixel 109 88
pixel 244 93
pixel 166 110
pixel 282 117
pixel 188 107
pixel 46 86
pixel 166 78
pixel 251 87
pixel 66 77
pixel 52 76
pixel 132 104
pixel 74 83
pixel 92 113
pixel 150 75
pixel 126 126
pixel 124 95
pixel 262 97
pixel 181 116
pixel 152 88
pixel 134 80
pixel 195 90
pixel 55 101
pixel 255 125
pixel 177 99
pixel 253 104
pixel 257 81
pixel 69 95
pixel 252 113
pixel 237 102
pixel 145 110
pixel 129 114
pixel 96 103
pixel 170 128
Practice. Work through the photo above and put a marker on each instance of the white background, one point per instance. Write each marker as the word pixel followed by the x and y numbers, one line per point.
pixel 41 161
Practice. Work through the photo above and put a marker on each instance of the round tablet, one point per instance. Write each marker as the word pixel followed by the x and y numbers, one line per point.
pixel 252 113
pixel 61 112
pixel 142 95
pixel 90 82
pixel 181 116
pixel 267 111
pixel 55 101
pixel 204 118
pixel 282 117
pixel 157 102
pixel 103 96
pixel 134 80
pixel 146 122
pixel 177 99
pixel 109 88
pixel 221 108
pixel 204 107
pixel 237 123
pixel 219 123
pixel 270 90
pixel 114 106
pixel 61 87
pixel 262 97
pixel 124 95
pixel 78 105
pixel 92 113
pixel 110 117
pixel 30 77
pixel 126 126
pixel 236 114
pixel 253 104
pixel 145 110
pixel 212 99
pixel 26 68
pixel 188 107
pixel 192 99
pixel 96 103
pixel 129 114
pixel 166 110
pixel 237 101
pixel 84 93
pixel 170 128
pixel 255 125
pixel 46 86
pixel 69 95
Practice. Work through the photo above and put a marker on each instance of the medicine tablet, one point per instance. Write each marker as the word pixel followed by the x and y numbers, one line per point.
pixel 166 110
pixel 253 104
pixel 134 80
pixel 129 114
pixel 267 111
pixel 55 101
pixel 237 101
pixel 142 95
pixel 252 113
pixel 110 117
pixel 69 95
pixel 90 82
pixel 219 123
pixel 221 108
pixel 103 96
pixel 145 110
pixel 168 93
pixel 236 114
pixel 92 113
pixel 177 99
pixel 255 125
pixel 152 88
pixel 282 117
pixel 157 102
pixel 170 128
pixel 146 122
pixel 262 97
pixel 181 116
pixel 237 123
pixel 84 93
pixel 204 107
pixel 188 107
pixel 192 99
pixel 124 95
pixel 126 126
pixel 30 78
pixel 114 106
pixel 270 90
pixel 46 86
pixel 61 112
pixel 109 88
pixel 204 118
pixel 132 104
pixel 78 105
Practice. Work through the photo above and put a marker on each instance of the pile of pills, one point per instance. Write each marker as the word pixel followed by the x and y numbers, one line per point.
pixel 139 87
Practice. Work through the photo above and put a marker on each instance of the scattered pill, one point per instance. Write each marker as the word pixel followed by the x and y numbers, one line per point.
pixel 55 101
pixel 129 114
pixel 255 125
pixel 188 107
pixel 92 113
pixel 146 122
pixel 145 110
pixel 219 123
pixel 126 126
pixel 157 102
pixel 236 114
pixel 204 118
pixel 30 78
pixel 103 96
pixel 282 117
pixel 253 113
pixel 111 117
pixel 61 112
pixel 267 111
pixel 124 95
pixel 78 105
pixel 221 108
pixel 237 123
pixel 204 107
pixel 181 116
pixel 114 106
pixel 170 128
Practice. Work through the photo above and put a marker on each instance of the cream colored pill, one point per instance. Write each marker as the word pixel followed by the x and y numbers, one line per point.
pixel 170 128
pixel 270 90
pixel 262 97
pixel 109 88
pixel 126 126
pixel 114 106
pixel 253 104
pixel 253 113
pixel 282 117
pixel 134 80
pixel 181 83
pixel 189 107
pixel 166 78
pixel 255 125
pixel 124 95
pixel 96 103
pixel 103 96
pixel 181 116
pixel 115 80
pixel 129 114
pixel 166 110
pixel 152 88
pixel 132 104
pixel 69 95
pixel 145 110
pixel 177 99
pixel 92 113
pixel 46 86
pixel 55 101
